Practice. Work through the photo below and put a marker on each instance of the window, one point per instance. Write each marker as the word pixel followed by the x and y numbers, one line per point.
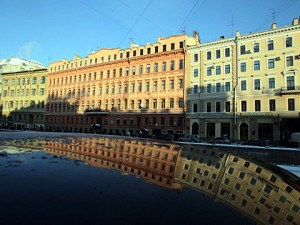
pixel 257 105
pixel 155 86
pixel 164 48
pixel 257 84
pixel 208 88
pixel 257 65
pixel 195 107
pixel 180 83
pixel 218 106
pixel 163 85
pixel 290 82
pixel 156 49
pixel 148 68
pixel 270 45
pixel 132 88
pixel 180 104
pixel 227 106
pixel 243 67
pixel 196 57
pixel 141 69
pixel 171 103
pixel 208 55
pixel 227 86
pixel 208 107
pixel 172 65
pixel 271 63
pixel 164 66
pixel 243 85
pixel 243 49
pixel 271 83
pixel 209 71
pixel 289 42
pixel 156 67
pixel 256 47
pixel 154 103
pixel 133 71
pixel 227 52
pixel 147 86
pixel 195 89
pixel 195 72
pixel 218 87
pixel 181 64
pixel 243 106
pixel 291 104
pixel 218 53
pixel 172 46
pixel 289 61
pixel 227 69
pixel 218 70
pixel 163 103
pixel 172 84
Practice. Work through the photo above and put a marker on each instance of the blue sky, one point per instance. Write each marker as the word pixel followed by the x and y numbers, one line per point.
pixel 49 30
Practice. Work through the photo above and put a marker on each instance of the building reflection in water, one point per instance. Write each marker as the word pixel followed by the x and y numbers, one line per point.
pixel 263 192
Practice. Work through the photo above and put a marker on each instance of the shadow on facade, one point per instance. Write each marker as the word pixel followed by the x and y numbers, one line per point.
pixel 77 115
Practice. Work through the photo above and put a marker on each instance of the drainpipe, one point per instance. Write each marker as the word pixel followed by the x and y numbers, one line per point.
pixel 235 87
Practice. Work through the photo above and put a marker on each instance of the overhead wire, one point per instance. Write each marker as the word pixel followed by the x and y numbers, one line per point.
pixel 189 13
pixel 137 20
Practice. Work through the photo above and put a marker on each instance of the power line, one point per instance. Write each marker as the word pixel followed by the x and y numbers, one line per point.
pixel 137 20
pixel 188 14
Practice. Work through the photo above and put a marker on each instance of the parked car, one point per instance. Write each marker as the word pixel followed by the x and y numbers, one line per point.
pixel 166 137
pixel 190 138
pixel 294 140
pixel 219 140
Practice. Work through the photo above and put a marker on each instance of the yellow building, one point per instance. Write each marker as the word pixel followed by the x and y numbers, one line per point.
pixel 23 99
pixel 264 193
pixel 121 91
pixel 246 87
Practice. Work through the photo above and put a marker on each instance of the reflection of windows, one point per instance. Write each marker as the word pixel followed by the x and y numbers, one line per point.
pixel 218 54
pixel 208 71
pixel 227 69
pixel 218 70
pixel 227 52
pixel 218 87
pixel 243 49
pixel 208 55
pixel 227 86
pixel 196 57
pixel 227 106
pixel 218 106
pixel 195 72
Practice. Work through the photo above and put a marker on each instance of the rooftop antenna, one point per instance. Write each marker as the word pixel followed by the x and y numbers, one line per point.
pixel 232 25
pixel 273 15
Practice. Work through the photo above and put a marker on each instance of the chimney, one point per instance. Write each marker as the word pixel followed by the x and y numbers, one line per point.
pixel 274 26
pixel 295 21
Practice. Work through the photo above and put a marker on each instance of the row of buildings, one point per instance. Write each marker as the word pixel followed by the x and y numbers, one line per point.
pixel 262 192
pixel 244 87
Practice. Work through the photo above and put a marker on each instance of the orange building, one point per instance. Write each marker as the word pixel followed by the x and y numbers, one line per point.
pixel 129 91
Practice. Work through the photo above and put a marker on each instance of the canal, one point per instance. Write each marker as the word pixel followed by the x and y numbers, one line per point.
pixel 101 180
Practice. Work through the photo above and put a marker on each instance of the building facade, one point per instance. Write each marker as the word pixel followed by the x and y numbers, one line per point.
pixel 23 99
pixel 246 87
pixel 130 91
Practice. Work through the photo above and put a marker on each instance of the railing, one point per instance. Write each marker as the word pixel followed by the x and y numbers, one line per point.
pixel 287 90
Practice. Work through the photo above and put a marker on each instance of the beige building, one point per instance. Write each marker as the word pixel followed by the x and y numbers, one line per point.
pixel 246 87
pixel 121 91
pixel 23 99
pixel 259 191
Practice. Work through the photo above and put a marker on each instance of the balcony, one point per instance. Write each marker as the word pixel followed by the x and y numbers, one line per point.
pixel 287 90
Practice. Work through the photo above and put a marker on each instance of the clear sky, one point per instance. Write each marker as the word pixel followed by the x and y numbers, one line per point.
pixel 49 30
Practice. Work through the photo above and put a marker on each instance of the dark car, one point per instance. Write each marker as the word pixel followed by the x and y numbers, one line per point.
pixel 219 140
pixel 255 142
